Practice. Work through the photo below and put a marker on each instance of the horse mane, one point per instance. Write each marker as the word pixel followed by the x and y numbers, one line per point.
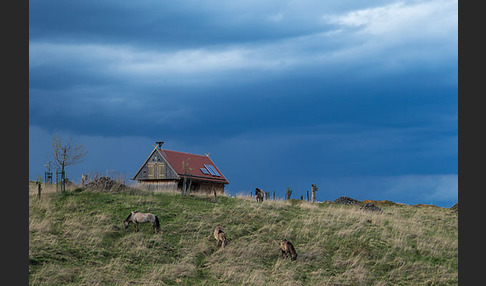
pixel 128 217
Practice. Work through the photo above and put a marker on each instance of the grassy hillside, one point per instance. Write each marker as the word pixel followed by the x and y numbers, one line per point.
pixel 78 238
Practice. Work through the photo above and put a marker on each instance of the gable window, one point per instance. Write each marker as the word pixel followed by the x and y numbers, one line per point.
pixel 156 170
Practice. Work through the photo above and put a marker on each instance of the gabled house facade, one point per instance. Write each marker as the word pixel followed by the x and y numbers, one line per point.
pixel 174 170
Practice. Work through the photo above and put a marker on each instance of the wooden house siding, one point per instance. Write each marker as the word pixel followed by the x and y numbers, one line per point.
pixel 160 186
pixel 156 168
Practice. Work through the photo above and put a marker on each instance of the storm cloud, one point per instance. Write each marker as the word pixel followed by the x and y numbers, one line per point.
pixel 327 90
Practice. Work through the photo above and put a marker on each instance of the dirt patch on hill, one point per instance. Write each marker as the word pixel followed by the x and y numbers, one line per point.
pixel 426 206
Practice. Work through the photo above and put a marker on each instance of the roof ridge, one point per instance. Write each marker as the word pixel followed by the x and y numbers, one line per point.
pixel 184 153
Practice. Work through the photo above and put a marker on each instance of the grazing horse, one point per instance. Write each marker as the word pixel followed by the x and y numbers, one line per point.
pixel 288 248
pixel 259 195
pixel 138 217
pixel 220 236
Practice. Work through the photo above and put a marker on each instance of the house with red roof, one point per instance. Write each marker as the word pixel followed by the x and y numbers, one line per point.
pixel 174 170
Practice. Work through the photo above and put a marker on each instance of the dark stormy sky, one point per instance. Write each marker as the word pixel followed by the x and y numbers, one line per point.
pixel 357 97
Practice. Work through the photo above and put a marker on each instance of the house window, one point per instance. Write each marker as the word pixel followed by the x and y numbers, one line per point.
pixel 156 170
pixel 151 170
pixel 161 170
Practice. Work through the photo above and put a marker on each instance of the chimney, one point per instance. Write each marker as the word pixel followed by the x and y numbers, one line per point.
pixel 159 143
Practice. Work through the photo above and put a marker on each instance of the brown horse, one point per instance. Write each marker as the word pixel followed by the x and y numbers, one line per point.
pixel 259 194
pixel 288 248
pixel 220 236
pixel 138 217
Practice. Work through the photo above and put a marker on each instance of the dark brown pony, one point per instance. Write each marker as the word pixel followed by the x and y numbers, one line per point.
pixel 220 236
pixel 288 248
pixel 259 194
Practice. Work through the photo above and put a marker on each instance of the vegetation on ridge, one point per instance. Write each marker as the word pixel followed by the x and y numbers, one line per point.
pixel 78 238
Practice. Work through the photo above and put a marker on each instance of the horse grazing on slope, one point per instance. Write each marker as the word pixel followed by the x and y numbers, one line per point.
pixel 288 248
pixel 138 217
pixel 259 194
pixel 220 236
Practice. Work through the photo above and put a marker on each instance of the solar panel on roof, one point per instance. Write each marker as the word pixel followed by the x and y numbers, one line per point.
pixel 204 171
pixel 210 169
pixel 214 170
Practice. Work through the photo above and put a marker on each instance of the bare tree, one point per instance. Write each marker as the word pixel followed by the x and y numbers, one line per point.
pixel 66 154
pixel 185 166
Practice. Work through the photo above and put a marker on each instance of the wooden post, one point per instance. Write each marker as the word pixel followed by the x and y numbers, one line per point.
pixel 188 191
pixel 38 190
pixel 63 181
pixel 307 195
pixel 184 185
pixel 273 194
pixel 288 193
pixel 84 179
pixel 314 190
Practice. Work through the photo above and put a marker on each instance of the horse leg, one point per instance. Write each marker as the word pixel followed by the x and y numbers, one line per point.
pixel 135 225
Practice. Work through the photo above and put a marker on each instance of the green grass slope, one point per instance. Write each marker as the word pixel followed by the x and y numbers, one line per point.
pixel 78 238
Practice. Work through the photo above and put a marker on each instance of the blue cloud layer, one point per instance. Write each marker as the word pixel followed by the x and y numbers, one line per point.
pixel 324 89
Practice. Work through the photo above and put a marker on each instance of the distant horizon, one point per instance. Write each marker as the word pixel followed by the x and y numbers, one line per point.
pixel 321 195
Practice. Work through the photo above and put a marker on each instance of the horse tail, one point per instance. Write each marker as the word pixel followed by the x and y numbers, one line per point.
pixel 157 223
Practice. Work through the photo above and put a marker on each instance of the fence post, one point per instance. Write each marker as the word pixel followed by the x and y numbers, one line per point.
pixel 63 181
pixel 307 195
pixel 57 180
pixel 314 190
pixel 84 179
pixel 38 190
pixel 273 194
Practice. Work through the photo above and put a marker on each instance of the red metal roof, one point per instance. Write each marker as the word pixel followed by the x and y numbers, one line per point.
pixel 194 164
